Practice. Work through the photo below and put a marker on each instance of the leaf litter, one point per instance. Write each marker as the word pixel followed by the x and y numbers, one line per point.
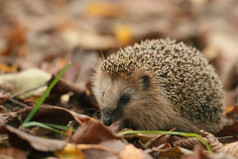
pixel 38 38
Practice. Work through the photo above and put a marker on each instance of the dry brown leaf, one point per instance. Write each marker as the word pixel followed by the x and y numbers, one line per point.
pixel 231 149
pixel 212 141
pixel 230 130
pixel 13 153
pixel 114 144
pixel 140 140
pixel 231 111
pixel 132 152
pixel 23 140
pixel 48 114
pixel 87 61
pixel 106 149
pixel 199 153
pixel 53 65
pixel 16 37
pixel 92 132
pixel 105 9
pixel 2 120
pixel 86 151
pixel 4 96
pixel 161 139
pixel 173 152
pixel 187 143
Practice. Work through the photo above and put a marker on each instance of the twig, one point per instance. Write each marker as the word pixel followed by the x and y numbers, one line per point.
pixel 19 103
pixel 29 90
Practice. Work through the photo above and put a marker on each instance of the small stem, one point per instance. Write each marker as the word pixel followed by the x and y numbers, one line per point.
pixel 19 103
pixel 29 90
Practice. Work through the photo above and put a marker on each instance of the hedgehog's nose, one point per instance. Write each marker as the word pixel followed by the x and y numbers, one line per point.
pixel 107 121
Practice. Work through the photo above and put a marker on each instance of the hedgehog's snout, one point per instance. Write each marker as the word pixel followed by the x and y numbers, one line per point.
pixel 107 121
pixel 107 117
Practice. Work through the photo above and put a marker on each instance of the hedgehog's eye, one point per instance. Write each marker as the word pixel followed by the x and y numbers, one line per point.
pixel 103 94
pixel 124 99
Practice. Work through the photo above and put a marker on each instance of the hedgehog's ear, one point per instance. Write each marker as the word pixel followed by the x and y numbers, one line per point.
pixel 145 81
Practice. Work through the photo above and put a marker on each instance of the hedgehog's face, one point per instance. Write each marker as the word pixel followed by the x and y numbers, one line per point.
pixel 118 96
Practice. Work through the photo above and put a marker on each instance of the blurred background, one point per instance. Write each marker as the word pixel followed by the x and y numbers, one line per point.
pixel 46 34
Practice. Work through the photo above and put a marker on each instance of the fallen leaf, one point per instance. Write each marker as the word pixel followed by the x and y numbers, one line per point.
pixel 230 75
pixel 229 109
pixel 123 34
pixel 25 80
pixel 87 61
pixel 231 112
pixel 2 120
pixel 54 66
pixel 6 68
pixel 4 96
pixel 48 114
pixel 132 152
pixel 107 149
pixel 114 144
pixel 70 151
pixel 92 132
pixel 187 143
pixel 13 153
pixel 24 141
pixel 88 40
pixel 106 9
pixel 225 43
pixel 16 37
pixel 231 149
pixel 215 145
pixel 230 130
pixel 161 139
pixel 199 153
pixel 173 152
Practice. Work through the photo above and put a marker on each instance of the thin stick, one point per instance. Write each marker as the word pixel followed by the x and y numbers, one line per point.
pixel 19 103
pixel 29 90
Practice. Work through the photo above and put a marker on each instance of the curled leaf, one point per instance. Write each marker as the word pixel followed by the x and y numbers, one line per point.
pixel 212 141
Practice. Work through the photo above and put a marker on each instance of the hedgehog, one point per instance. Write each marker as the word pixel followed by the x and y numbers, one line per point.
pixel 159 85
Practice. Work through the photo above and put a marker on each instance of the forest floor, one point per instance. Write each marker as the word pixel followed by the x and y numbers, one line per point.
pixel 39 38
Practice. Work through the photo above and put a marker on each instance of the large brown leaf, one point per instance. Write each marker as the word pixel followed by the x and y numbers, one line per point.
pixel 22 140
